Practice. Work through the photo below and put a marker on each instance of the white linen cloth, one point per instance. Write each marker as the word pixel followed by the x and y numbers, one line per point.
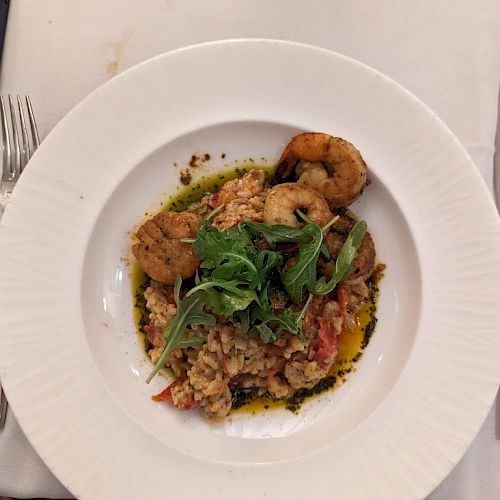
pixel 447 53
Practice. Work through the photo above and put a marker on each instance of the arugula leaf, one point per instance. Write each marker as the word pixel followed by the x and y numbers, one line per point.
pixel 289 321
pixel 350 248
pixel 189 342
pixel 304 309
pixel 264 332
pixel 243 318
pixel 226 302
pixel 232 269
pixel 219 248
pixel 223 296
pixel 189 313
pixel 177 290
pixel 343 264
pixel 276 233
pixel 324 251
pixel 230 286
pixel 266 262
pixel 303 274
pixel 238 276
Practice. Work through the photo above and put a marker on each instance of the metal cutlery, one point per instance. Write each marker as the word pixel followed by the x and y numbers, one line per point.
pixel 16 117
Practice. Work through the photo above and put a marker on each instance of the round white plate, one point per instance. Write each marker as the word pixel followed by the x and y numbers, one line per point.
pixel 70 361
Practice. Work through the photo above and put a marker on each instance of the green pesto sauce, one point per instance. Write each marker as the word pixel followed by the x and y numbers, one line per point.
pixel 207 184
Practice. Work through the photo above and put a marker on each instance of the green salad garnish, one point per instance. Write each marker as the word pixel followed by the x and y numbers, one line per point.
pixel 242 272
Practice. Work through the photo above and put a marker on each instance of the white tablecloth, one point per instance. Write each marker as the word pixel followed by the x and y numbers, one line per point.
pixel 446 52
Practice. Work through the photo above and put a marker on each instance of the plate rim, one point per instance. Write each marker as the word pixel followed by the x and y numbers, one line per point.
pixel 112 82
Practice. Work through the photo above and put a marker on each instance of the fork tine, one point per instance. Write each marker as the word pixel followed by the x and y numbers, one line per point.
pixel 26 150
pixel 7 158
pixel 16 163
pixel 34 129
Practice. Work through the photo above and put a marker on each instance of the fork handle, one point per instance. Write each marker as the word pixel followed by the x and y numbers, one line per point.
pixel 3 408
pixel 4 13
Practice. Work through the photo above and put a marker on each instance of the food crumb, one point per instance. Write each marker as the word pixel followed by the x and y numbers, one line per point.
pixel 196 160
pixel 104 324
pixel 186 177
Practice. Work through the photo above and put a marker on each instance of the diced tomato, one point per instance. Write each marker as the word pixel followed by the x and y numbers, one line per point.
pixel 214 200
pixel 170 296
pixel 190 404
pixel 150 332
pixel 328 340
pixel 342 300
pixel 311 313
pixel 166 394
pixel 327 336
pixel 277 367
pixel 221 196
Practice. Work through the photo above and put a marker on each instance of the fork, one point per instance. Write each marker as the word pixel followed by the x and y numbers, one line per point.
pixel 17 149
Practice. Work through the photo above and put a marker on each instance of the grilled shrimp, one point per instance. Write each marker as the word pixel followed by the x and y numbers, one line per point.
pixel 330 165
pixel 283 200
pixel 160 252
pixel 363 264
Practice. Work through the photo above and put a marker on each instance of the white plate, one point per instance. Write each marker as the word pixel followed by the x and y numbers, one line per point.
pixel 70 361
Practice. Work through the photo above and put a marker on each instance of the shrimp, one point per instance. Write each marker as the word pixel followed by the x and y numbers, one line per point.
pixel 331 165
pixel 283 200
pixel 160 252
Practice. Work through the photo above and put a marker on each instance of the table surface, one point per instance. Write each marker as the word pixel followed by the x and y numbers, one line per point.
pixel 447 53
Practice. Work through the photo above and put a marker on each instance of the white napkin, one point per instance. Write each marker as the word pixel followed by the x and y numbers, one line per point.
pixel 447 53
pixel 22 472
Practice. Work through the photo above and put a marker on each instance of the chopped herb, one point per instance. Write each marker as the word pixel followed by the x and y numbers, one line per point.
pixel 241 396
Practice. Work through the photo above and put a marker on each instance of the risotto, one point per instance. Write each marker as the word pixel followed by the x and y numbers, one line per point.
pixel 251 289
